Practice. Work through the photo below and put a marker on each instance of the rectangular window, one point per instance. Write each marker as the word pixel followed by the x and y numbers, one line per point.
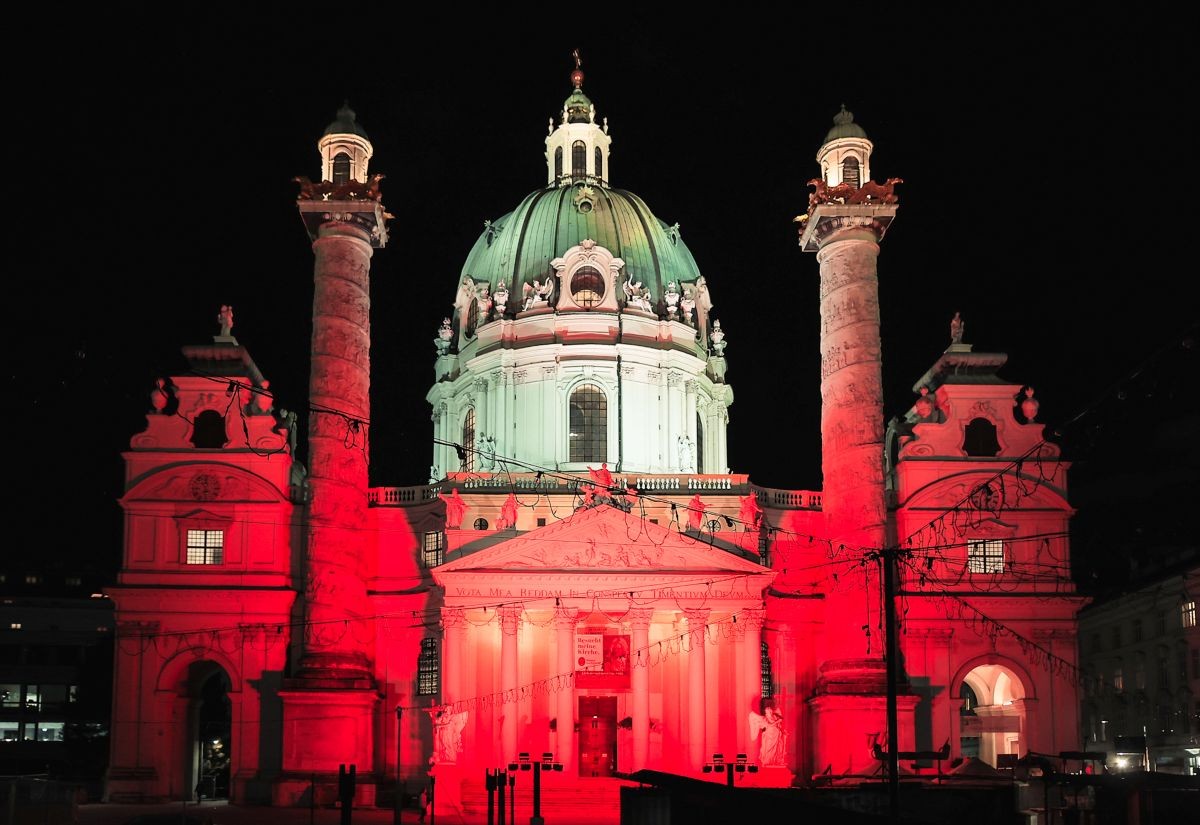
pixel 10 696
pixel 52 697
pixel 44 731
pixel 205 546
pixel 1196 662
pixel 1118 681
pixel 768 686
pixel 1095 643
pixel 429 668
pixel 10 731
pixel 1116 636
pixel 433 547
pixel 985 556
pixel 1187 612
pixel 1137 630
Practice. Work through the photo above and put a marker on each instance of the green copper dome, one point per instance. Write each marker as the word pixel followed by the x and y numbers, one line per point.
pixel 579 107
pixel 518 247
pixel 345 124
pixel 844 127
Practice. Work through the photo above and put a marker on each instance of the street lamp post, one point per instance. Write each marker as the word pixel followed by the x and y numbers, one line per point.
pixel 398 814
pixel 523 763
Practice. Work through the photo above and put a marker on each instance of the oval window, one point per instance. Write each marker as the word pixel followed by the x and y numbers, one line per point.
pixel 587 287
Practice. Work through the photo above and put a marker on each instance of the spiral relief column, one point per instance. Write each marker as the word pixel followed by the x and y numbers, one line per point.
pixel 329 707
pixel 847 218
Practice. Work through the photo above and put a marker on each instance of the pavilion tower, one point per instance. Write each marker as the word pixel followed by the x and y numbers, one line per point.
pixel 329 707
pixel 847 218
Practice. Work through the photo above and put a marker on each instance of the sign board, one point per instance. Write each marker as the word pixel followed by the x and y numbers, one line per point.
pixel 602 660
pixel 589 652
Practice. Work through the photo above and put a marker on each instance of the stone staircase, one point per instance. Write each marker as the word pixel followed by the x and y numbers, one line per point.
pixel 565 800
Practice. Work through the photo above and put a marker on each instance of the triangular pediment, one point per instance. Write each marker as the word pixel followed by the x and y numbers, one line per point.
pixel 604 539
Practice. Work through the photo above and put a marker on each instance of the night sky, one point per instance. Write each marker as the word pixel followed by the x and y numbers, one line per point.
pixel 1045 197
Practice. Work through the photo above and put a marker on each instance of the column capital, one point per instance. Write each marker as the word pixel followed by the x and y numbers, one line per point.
pixel 453 618
pixel 696 615
pixel 640 617
pixel 753 618
pixel 565 617
pixel 510 618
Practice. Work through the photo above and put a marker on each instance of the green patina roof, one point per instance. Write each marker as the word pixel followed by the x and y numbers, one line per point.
pixel 345 124
pixel 844 126
pixel 579 107
pixel 547 223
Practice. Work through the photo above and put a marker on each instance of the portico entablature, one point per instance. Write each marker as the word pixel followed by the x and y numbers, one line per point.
pixel 608 558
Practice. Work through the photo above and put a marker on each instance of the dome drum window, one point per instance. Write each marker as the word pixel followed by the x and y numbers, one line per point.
pixel 587 287
pixel 587 273
pixel 588 425
pixel 578 159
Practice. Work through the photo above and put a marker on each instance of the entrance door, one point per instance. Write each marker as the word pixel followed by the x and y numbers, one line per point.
pixel 597 735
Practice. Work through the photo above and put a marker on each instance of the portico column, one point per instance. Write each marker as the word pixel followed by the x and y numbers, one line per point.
pixel 454 626
pixel 689 422
pixel 752 620
pixel 564 623
pixel 697 705
pixel 639 680
pixel 510 624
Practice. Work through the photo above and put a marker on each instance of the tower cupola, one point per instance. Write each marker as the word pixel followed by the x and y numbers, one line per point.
pixel 577 150
pixel 845 156
pixel 345 149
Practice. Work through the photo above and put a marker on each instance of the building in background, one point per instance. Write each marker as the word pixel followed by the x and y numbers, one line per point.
pixel 583 576
pixel 56 655
pixel 1140 656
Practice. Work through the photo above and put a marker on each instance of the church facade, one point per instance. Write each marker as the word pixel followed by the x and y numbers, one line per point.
pixel 584 580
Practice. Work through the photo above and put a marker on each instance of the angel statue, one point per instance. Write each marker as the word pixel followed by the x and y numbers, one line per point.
pixel 687 304
pixel 538 293
pixel 447 738
pixel 225 320
pixel 603 477
pixel 462 309
pixel 704 306
pixel 671 296
pixel 483 300
pixel 772 748
pixel 636 295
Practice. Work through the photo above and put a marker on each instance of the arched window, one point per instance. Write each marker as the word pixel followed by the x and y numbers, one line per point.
pixel 341 168
pixel 980 438
pixel 599 163
pixel 768 684
pixel 472 318
pixel 429 667
pixel 468 441
pixel 557 162
pixel 850 171
pixel 588 433
pixel 587 287
pixel 208 431
pixel 699 444
pixel 578 159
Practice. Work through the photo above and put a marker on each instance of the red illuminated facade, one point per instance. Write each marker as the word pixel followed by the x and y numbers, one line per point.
pixel 582 576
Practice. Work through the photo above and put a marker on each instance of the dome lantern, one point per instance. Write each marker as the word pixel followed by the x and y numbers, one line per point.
pixel 345 149
pixel 845 155
pixel 577 150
